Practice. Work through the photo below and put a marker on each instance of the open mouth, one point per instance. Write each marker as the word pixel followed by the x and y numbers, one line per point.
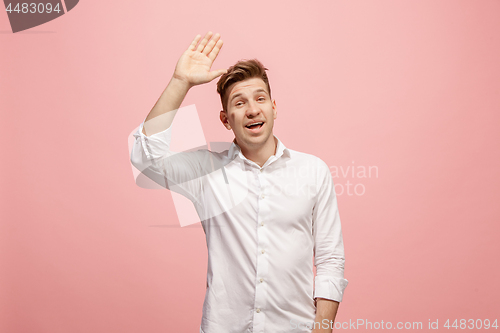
pixel 255 126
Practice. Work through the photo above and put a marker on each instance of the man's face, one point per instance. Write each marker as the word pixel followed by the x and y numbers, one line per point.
pixel 249 103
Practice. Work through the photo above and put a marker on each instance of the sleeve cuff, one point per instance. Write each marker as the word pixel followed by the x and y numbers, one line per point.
pixel 329 287
pixel 156 144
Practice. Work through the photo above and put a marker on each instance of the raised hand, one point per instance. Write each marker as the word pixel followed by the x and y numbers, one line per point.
pixel 194 65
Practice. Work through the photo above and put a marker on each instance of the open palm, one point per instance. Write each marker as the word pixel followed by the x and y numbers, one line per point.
pixel 194 65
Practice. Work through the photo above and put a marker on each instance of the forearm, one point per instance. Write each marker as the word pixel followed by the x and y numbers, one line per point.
pixel 326 310
pixel 166 107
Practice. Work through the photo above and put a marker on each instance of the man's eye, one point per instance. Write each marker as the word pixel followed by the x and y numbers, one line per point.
pixel 261 98
pixel 239 103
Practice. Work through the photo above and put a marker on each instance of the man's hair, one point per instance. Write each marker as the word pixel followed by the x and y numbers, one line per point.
pixel 242 70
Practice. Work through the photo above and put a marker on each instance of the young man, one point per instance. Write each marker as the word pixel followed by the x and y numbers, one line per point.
pixel 266 210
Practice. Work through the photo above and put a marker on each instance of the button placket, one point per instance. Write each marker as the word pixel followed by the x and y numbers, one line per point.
pixel 261 293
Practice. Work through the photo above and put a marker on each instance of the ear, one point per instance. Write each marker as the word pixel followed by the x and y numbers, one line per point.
pixel 224 120
pixel 275 109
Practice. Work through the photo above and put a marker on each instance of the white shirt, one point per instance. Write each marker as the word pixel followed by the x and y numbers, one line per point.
pixel 263 226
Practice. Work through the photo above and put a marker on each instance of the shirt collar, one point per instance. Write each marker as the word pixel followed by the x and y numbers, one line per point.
pixel 235 150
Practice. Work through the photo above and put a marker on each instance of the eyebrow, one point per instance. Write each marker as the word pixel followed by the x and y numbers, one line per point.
pixel 255 92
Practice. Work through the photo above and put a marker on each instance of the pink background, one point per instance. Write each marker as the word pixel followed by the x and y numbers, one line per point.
pixel 411 87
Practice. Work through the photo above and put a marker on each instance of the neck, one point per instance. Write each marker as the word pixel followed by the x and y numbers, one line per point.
pixel 260 154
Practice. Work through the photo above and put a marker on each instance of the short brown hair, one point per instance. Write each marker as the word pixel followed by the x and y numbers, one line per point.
pixel 242 70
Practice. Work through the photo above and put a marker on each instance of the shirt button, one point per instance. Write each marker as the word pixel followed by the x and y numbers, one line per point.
pixel 258 310
pixel 261 280
pixel 262 223
pixel 262 196
pixel 261 170
pixel 262 251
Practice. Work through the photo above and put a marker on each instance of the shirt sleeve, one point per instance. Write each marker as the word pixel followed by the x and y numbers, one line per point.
pixel 180 172
pixel 328 243
pixel 151 147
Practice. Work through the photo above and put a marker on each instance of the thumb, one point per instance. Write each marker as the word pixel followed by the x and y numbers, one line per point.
pixel 217 73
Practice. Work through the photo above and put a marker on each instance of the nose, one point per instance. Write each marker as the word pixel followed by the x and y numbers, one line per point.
pixel 253 109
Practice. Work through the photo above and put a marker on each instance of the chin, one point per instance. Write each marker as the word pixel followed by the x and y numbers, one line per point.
pixel 259 141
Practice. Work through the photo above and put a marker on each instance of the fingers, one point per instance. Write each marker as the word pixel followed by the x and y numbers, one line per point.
pixel 215 50
pixel 204 41
pixel 192 47
pixel 207 46
pixel 211 44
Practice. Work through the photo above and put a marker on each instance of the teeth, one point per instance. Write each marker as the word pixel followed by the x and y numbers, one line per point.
pixel 254 124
